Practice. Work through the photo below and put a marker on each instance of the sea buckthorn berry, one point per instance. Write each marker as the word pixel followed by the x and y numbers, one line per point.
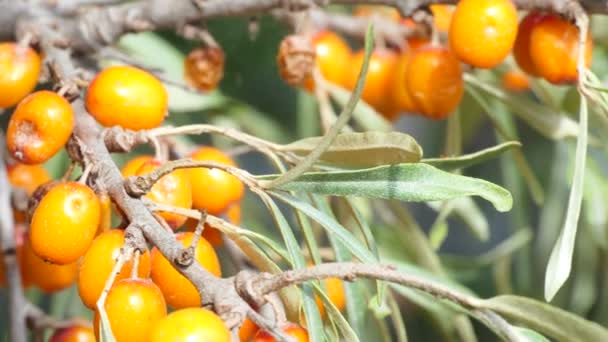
pixel 399 95
pixel 19 247
pixel 27 177
pixel 204 67
pixel 40 126
pixel 44 275
pixel 521 48
pixel 74 333
pixel 131 167
pixel 434 80
pixel 212 189
pixel 192 324
pixel 98 263
pixel 554 49
pixel 19 70
pixel 173 189
pixel 128 97
pixel 295 59
pixel 134 307
pixel 65 222
pixel 335 291
pixel 442 16
pixel 380 72
pixel 332 54
pixel 483 32
pixel 295 331
pixel 36 197
pixel 105 217
pixel 179 292
pixel 516 80
pixel 247 330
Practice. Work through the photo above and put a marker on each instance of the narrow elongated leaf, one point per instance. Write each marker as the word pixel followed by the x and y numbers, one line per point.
pixel 560 261
pixel 336 316
pixel 406 182
pixel 545 120
pixel 313 317
pixel 470 214
pixel 530 335
pixel 363 149
pixel 332 226
pixel 546 319
pixel 364 114
pixel 466 160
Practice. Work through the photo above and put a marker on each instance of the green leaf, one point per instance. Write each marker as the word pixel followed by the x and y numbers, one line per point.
pixel 553 125
pixel 560 261
pixel 330 224
pixel 362 149
pixel 313 317
pixel 152 51
pixel 336 316
pixel 363 114
pixel 466 160
pixel 548 320
pixel 406 182
pixel 470 214
pixel 530 335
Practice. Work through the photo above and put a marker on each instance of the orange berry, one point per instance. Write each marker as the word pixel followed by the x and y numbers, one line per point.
pixel 442 16
pixel 131 167
pixel 400 97
pixel 173 189
pixel 483 32
pixel 177 289
pixel 434 80
pixel 335 291
pixel 105 217
pixel 40 126
pixel 134 307
pixel 247 330
pixel 98 263
pixel 192 324
pixel 521 48
pixel 234 214
pixel 380 72
pixel 516 80
pixel 75 333
pixel 44 275
pixel 65 222
pixel 204 67
pixel 554 49
pixel 295 331
pixel 27 177
pixel 127 96
pixel 19 70
pixel 332 54
pixel 212 189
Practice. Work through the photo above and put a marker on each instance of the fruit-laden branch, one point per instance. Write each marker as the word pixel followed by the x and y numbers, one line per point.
pixel 93 27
